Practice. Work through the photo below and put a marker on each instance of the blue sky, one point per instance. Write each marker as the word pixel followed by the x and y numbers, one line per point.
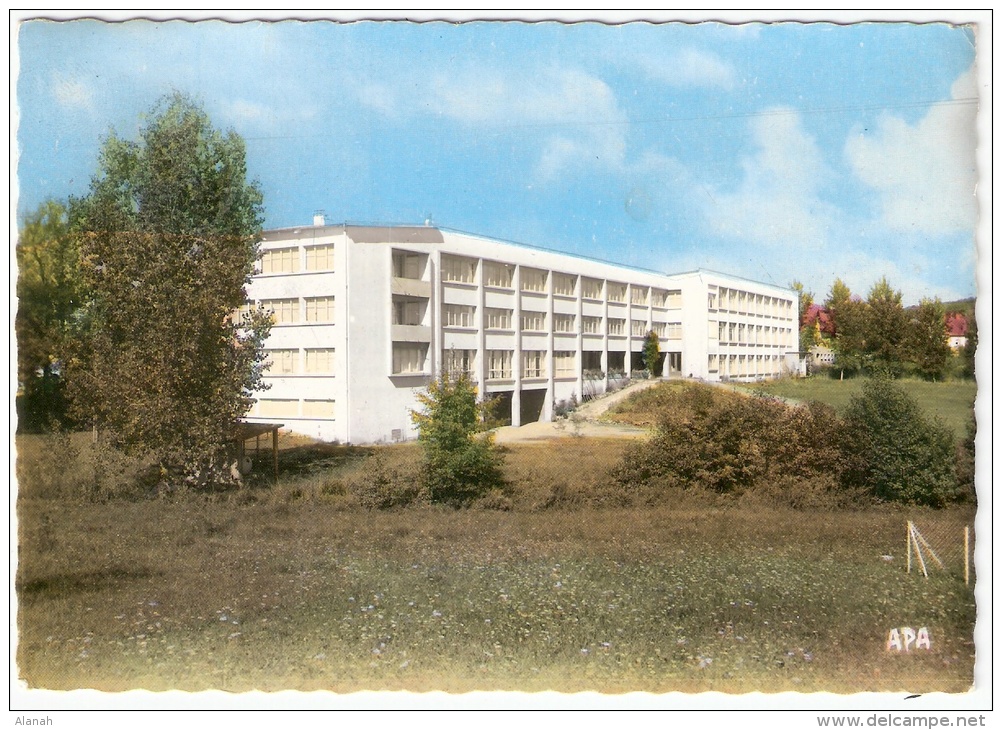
pixel 772 151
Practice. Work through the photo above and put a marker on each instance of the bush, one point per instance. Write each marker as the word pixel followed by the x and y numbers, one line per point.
pixel 710 439
pixel 461 460
pixel 907 457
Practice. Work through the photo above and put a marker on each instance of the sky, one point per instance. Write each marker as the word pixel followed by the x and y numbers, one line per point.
pixel 772 151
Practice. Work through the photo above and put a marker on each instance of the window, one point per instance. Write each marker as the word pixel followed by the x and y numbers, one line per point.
pixel 711 363
pixel 282 362
pixel 497 319
pixel 591 289
pixel 638 294
pixel 498 275
pixel 617 326
pixel 320 309
pixel 563 285
pixel 638 327
pixel 320 360
pixel 563 322
pixel 409 358
pixel 711 329
pixel 283 311
pixel 673 331
pixel 722 331
pixel 458 269
pixel 565 364
pixel 272 407
pixel 280 261
pixel 499 364
pixel 534 364
pixel 458 315
pixel 318 408
pixel 674 299
pixel 659 298
pixel 591 325
pixel 660 329
pixel 533 280
pixel 459 362
pixel 408 311
pixel 711 300
pixel 617 292
pixel 408 265
pixel 533 322
pixel 320 258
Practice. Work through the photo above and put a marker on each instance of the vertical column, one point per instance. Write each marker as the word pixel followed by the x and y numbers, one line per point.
pixel 579 340
pixel 516 355
pixel 480 322
pixel 605 334
pixel 547 414
pixel 435 313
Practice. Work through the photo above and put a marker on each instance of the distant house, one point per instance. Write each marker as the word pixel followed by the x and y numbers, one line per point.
pixel 956 331
pixel 817 313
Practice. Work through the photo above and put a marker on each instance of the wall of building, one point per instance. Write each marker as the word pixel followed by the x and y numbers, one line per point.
pixel 409 302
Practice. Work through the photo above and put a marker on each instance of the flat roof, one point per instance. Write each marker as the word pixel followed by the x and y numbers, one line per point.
pixel 418 234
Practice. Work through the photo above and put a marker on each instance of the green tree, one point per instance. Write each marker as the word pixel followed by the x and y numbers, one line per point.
pixel 50 293
pixel 908 458
pixel 805 302
pixel 651 352
pixel 927 342
pixel 461 460
pixel 969 351
pixel 168 237
pixel 850 318
pixel 888 326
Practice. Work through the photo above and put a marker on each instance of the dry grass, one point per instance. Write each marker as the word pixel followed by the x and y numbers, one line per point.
pixel 270 590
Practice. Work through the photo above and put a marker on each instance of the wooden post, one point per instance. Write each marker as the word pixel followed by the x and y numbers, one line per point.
pixel 274 451
pixel 918 552
pixel 967 555
pixel 908 545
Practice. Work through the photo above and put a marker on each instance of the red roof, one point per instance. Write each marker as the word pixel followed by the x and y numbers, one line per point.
pixel 956 324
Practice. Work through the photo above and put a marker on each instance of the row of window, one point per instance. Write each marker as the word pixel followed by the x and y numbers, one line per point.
pixel 288 361
pixel 411 358
pixel 293 259
pixel 293 408
pixel 745 365
pixel 461 315
pixel 318 310
pixel 739 333
pixel 457 269
pixel 743 302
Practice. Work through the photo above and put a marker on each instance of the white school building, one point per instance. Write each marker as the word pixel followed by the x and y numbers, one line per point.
pixel 365 316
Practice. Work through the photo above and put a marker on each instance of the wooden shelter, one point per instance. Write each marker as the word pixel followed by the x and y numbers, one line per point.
pixel 247 431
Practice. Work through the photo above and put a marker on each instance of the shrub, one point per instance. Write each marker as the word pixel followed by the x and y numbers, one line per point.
pixel 706 438
pixel 461 461
pixel 381 486
pixel 908 458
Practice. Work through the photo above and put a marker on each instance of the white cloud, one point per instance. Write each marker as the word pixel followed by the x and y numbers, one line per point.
pixel 777 201
pixel 574 117
pixel 72 93
pixel 687 67
pixel 925 174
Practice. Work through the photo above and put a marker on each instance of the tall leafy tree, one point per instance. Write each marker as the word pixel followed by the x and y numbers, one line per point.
pixel 807 329
pixel 652 352
pixel 850 319
pixel 168 237
pixel 888 328
pixel 927 339
pixel 50 293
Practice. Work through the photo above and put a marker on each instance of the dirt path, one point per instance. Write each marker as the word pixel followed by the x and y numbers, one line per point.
pixel 584 421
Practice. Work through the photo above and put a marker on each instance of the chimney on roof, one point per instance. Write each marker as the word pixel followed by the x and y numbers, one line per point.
pixel 319 218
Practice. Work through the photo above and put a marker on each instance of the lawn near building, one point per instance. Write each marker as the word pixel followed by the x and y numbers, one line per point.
pixel 295 587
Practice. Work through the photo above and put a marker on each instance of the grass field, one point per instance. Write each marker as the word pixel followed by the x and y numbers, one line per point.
pixel 296 587
pixel 950 401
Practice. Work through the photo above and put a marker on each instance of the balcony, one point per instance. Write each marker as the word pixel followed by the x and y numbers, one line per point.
pixel 410 287
pixel 410 333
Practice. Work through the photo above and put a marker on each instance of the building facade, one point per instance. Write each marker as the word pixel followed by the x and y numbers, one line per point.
pixel 365 316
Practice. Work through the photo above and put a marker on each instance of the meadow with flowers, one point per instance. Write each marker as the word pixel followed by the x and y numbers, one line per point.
pixel 565 587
